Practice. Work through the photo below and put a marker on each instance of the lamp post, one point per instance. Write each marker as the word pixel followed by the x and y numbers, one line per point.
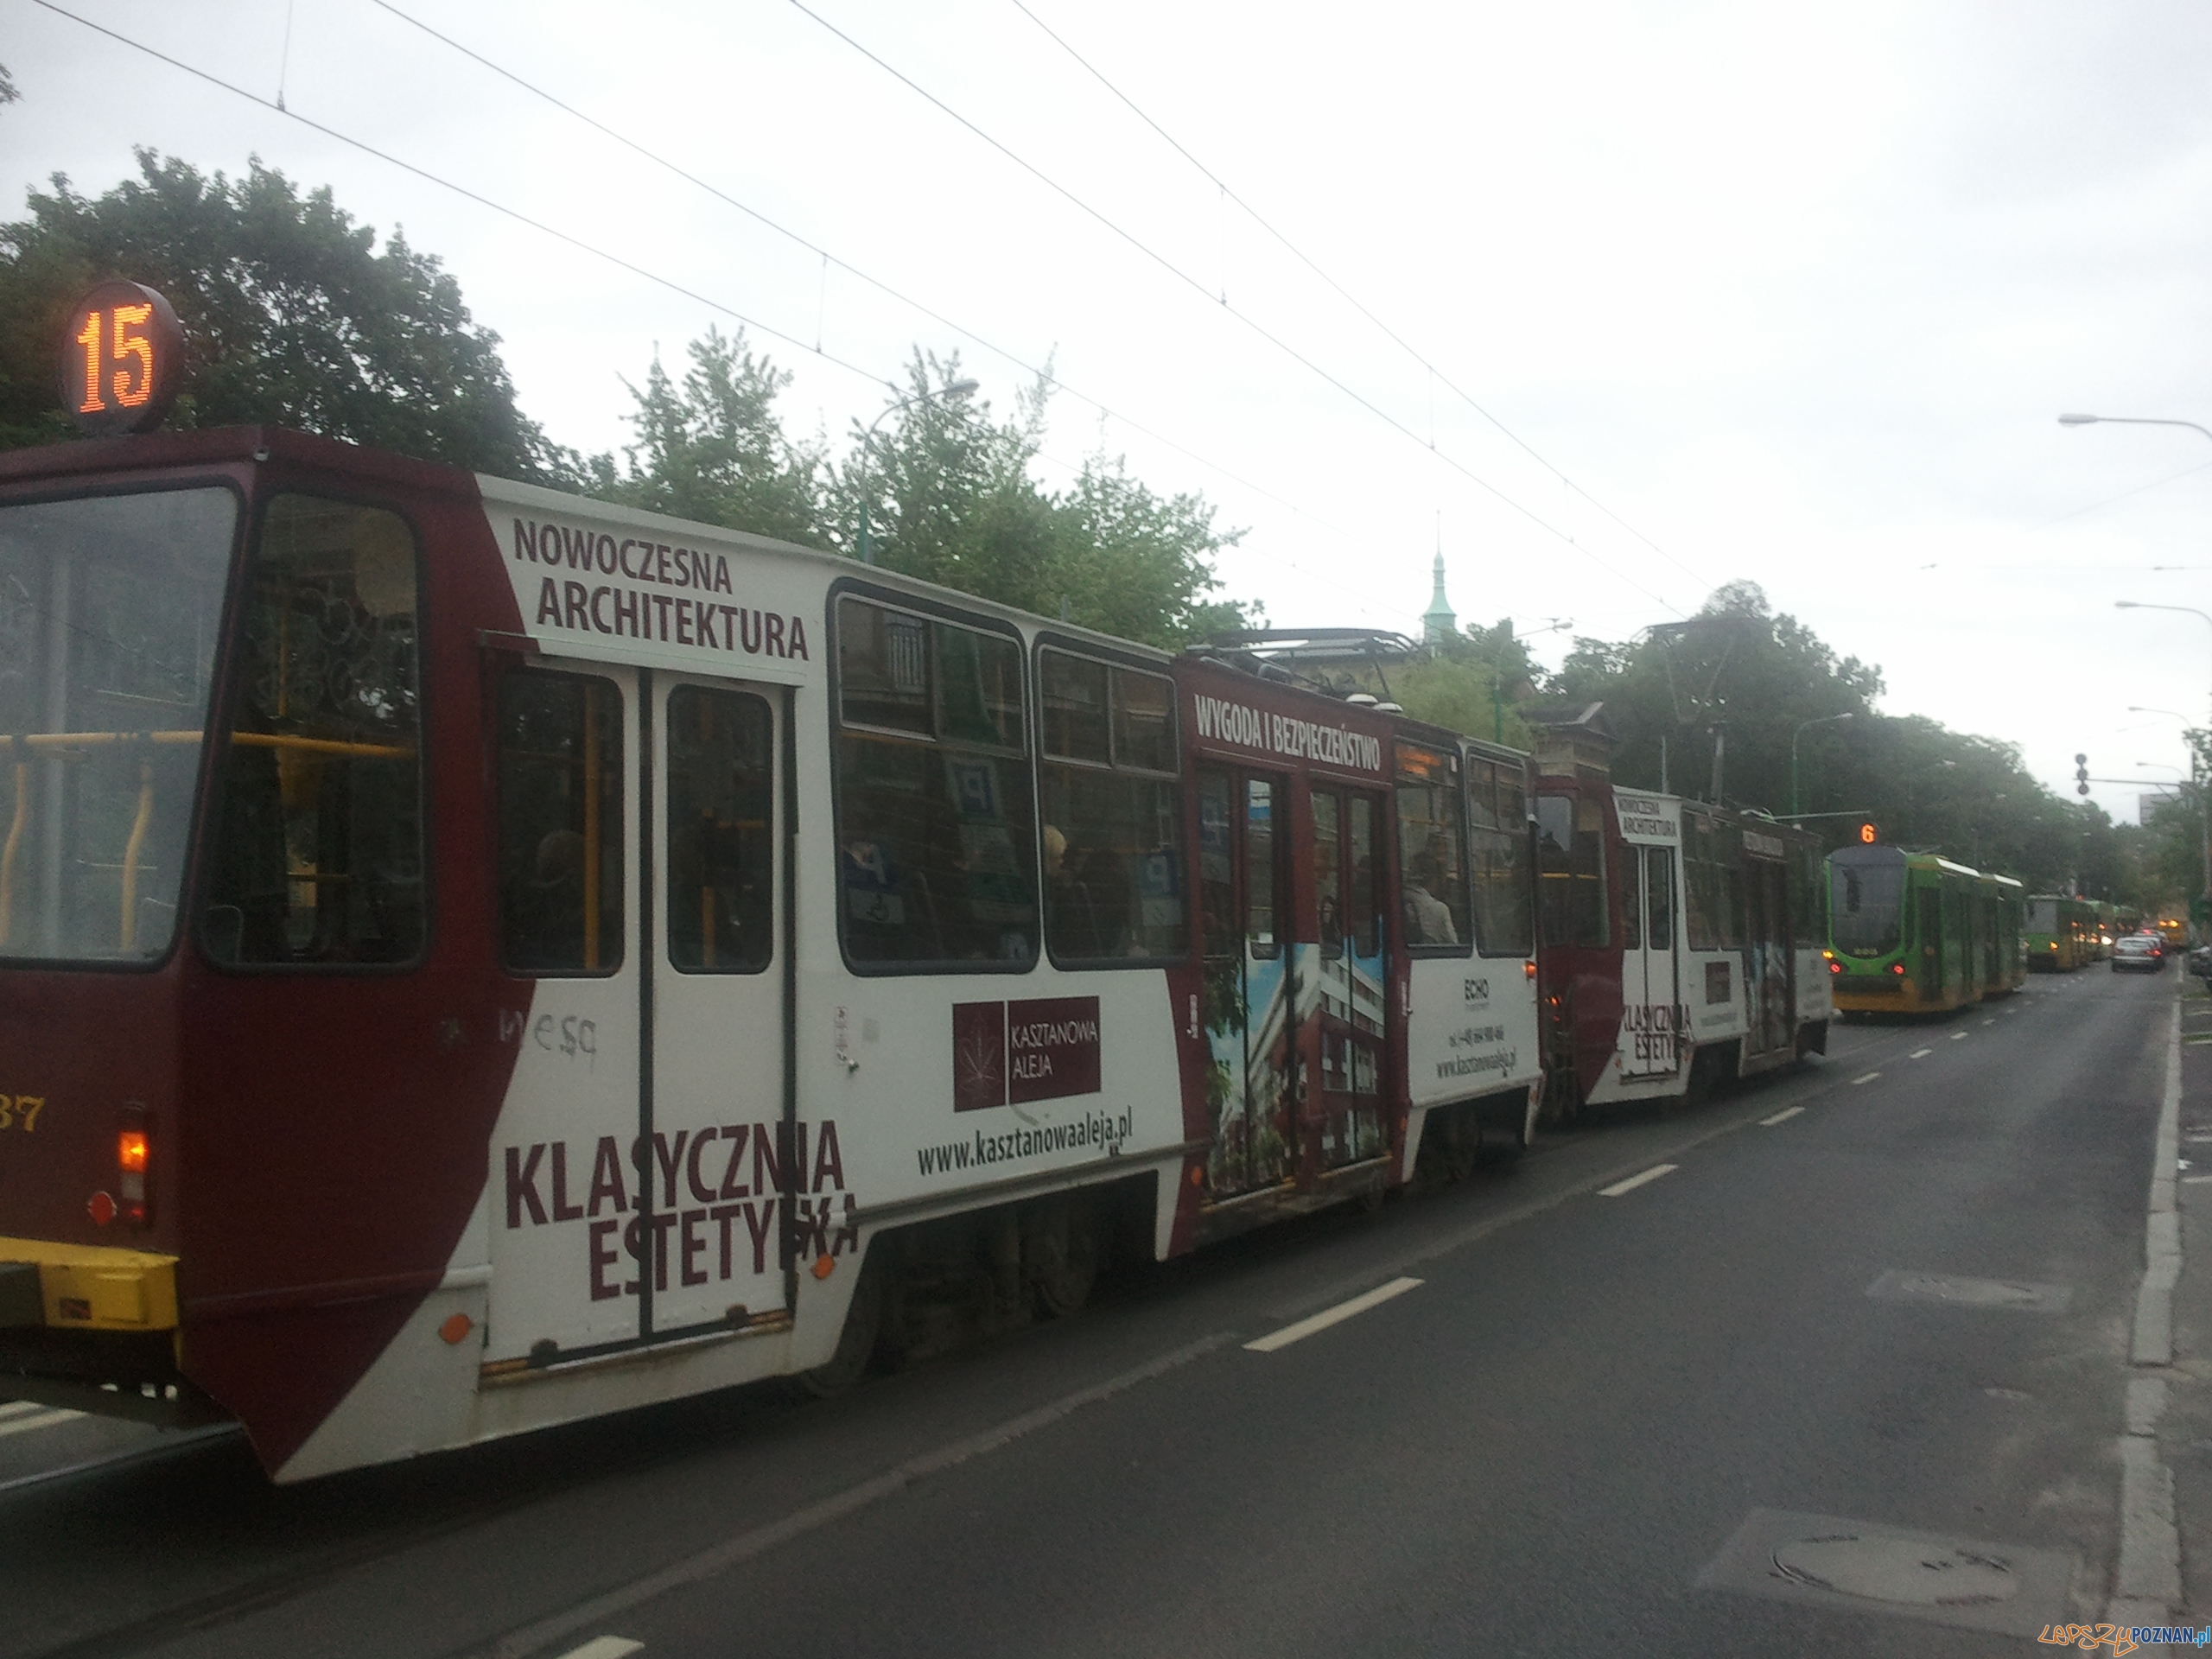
pixel 958 389
pixel 1821 720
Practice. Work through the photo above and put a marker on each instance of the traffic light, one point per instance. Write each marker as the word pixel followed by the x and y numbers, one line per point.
pixel 2081 774
pixel 1868 835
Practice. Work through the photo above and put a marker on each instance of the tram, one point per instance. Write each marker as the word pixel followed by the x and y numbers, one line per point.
pixel 2062 933
pixel 1681 941
pixel 473 958
pixel 1916 933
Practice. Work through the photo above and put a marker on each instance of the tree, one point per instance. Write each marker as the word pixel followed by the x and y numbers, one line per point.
pixel 950 500
pixel 291 317
pixel 713 450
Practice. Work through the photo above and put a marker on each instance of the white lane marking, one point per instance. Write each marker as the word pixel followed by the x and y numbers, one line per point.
pixel 52 1419
pixel 25 1408
pixel 1782 1116
pixel 1920 1054
pixel 1989 1022
pixel 1869 1078
pixel 605 1647
pixel 1329 1316
pixel 1959 1036
pixel 2195 1181
pixel 1635 1181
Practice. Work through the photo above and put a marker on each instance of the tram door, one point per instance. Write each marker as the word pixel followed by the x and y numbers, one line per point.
pixel 1351 977
pixel 637 1188
pixel 1250 988
pixel 1651 1045
pixel 731 1180
pixel 1769 960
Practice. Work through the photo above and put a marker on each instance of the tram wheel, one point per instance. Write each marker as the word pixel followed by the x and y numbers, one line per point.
pixel 856 1342
pixel 1061 1250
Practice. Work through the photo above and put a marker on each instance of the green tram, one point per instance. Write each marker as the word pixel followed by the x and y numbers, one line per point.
pixel 2063 933
pixel 1914 933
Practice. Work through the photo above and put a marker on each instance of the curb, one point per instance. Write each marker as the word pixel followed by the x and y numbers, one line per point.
pixel 2146 1583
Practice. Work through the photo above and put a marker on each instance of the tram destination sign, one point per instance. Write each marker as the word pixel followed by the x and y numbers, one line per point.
pixel 617 585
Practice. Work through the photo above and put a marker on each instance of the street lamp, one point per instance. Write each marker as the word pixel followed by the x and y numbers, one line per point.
pixel 1821 720
pixel 958 389
pixel 2127 420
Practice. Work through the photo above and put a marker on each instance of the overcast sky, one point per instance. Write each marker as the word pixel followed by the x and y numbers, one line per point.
pixel 1786 296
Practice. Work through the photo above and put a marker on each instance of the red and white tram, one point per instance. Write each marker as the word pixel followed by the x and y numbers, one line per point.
pixel 1681 941
pixel 472 957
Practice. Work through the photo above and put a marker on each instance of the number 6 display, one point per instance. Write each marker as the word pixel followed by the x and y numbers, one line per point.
pixel 120 358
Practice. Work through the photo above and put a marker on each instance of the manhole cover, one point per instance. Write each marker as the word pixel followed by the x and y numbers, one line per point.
pixel 1949 1290
pixel 1896 1570
pixel 1865 1568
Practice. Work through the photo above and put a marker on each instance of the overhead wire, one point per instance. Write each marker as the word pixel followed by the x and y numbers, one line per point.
pixel 1035 370
pixel 1250 322
pixel 655 277
pixel 1230 193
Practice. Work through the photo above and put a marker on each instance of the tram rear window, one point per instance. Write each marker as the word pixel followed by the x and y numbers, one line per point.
pixel 1113 838
pixel 109 612
pixel 318 859
pixel 720 845
pixel 1498 801
pixel 1570 853
pixel 1432 848
pixel 936 833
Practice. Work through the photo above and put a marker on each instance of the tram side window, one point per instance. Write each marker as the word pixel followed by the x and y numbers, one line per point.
pixel 319 854
pixel 1113 837
pixel 935 824
pixel 1703 892
pixel 720 839
pixel 1432 848
pixel 560 796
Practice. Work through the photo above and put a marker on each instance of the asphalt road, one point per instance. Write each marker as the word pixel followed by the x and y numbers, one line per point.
pixel 1846 1377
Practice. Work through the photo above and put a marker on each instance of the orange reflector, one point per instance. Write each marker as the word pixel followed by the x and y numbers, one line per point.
pixel 1527 970
pixel 825 1265
pixel 1197 1174
pixel 130 1150
pixel 456 1326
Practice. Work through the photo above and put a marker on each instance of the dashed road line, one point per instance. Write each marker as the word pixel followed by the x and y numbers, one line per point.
pixel 605 1647
pixel 1782 1116
pixel 1920 1054
pixel 1869 1078
pixel 1991 1022
pixel 1635 1181
pixel 1959 1036
pixel 1329 1316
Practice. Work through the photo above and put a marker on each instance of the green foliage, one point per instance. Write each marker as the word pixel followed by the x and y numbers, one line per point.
pixel 712 449
pixel 949 499
pixel 291 317
pixel 1765 681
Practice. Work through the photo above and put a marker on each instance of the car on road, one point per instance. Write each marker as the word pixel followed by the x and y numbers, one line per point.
pixel 2142 951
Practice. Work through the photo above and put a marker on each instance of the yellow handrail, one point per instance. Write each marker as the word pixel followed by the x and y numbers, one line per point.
pixel 130 852
pixel 54 745
pixel 14 843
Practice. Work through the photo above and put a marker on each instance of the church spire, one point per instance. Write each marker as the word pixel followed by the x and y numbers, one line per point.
pixel 1437 622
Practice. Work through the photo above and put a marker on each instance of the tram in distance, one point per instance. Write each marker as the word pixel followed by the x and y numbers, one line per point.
pixel 1680 940
pixel 472 959
pixel 2063 932
pixel 1916 933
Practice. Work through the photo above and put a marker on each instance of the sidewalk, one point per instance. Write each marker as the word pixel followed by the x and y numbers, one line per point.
pixel 2184 1433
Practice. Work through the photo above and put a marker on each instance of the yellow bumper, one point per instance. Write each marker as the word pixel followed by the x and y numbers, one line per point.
pixel 99 1287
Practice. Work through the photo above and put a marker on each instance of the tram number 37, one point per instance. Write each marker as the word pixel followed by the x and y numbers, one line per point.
pixel 120 360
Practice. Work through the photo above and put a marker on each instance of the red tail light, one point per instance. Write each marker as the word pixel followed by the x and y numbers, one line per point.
pixel 1897 967
pixel 133 1163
